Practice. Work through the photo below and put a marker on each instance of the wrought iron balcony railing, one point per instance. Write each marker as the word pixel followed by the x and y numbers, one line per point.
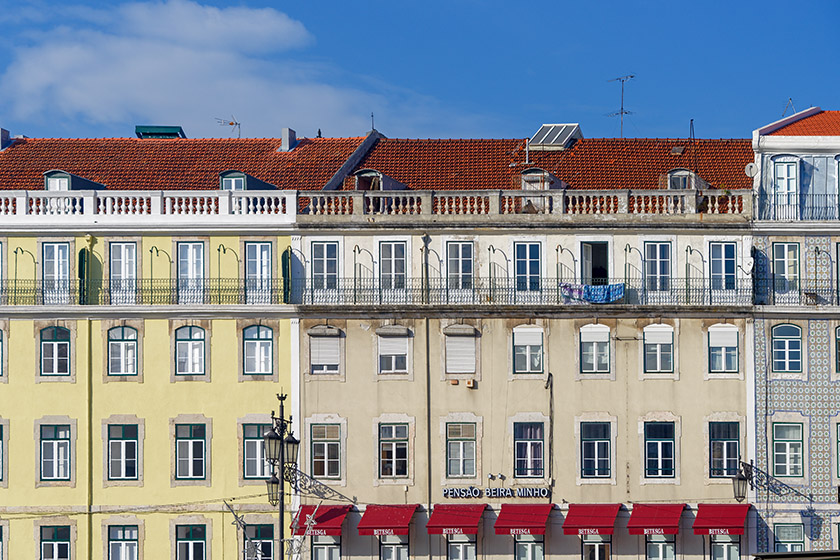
pixel 464 290
pixel 796 207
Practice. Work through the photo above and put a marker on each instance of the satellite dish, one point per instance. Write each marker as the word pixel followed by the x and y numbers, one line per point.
pixel 751 169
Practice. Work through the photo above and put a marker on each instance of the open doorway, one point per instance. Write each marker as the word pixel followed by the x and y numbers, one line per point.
pixel 594 263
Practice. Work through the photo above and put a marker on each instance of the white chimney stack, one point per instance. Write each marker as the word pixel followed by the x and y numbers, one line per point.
pixel 288 140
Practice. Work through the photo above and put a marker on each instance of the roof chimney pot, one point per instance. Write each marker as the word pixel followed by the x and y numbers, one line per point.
pixel 288 140
pixel 5 139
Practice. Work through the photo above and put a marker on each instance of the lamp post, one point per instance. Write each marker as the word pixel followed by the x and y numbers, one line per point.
pixel 750 475
pixel 281 449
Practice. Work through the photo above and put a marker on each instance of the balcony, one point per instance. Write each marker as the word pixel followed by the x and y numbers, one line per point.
pixel 797 207
pixel 367 292
pixel 786 292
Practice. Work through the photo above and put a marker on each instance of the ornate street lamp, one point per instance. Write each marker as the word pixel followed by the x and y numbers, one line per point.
pixel 281 449
pixel 739 485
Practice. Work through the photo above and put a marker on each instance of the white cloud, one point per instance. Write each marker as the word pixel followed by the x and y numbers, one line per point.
pixel 180 62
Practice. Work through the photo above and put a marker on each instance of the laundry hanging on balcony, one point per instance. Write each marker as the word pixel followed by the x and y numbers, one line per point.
pixel 607 293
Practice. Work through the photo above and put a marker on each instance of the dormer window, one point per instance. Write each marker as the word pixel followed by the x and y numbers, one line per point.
pixel 57 180
pixel 233 183
pixel 680 179
pixel 235 180
pixel 58 183
pixel 368 181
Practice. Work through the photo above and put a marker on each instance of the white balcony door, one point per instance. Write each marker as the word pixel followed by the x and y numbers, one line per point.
pixel 123 272
pixel 190 272
pixel 786 273
pixel 785 196
pixel 56 273
pixel 258 272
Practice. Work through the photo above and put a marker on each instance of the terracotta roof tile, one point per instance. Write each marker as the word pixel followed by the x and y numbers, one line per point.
pixel 597 163
pixel 132 163
pixel 824 123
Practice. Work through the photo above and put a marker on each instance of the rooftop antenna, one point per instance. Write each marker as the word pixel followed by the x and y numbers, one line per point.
pixel 693 142
pixel 232 123
pixel 622 112
pixel 371 121
pixel 789 104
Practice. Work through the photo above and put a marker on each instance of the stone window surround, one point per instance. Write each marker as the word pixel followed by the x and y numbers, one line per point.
pixel 613 325
pixel 208 447
pixel 792 418
pixel 461 418
pixel 672 322
pixel 176 240
pixel 390 329
pixel 52 421
pixel 721 417
pixel 395 418
pixel 306 462
pixel 259 519
pixel 663 416
pixel 62 521
pixel 596 417
pixel 321 328
pixel 274 325
pixel 240 439
pixel 138 325
pixel 477 325
pixel 191 520
pixel 527 417
pixel 541 324
pixel 40 325
pixel 174 325
pixel 123 520
pixel 106 264
pixel 742 366
pixel 123 419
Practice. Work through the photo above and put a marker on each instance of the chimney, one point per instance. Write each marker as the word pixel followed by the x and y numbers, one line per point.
pixel 288 140
pixel 5 139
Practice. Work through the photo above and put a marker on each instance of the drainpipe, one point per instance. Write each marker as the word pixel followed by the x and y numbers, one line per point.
pixel 428 436
pixel 89 440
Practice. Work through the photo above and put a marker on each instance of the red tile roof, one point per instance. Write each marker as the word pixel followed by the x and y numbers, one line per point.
pixel 590 164
pixel 824 123
pixel 132 163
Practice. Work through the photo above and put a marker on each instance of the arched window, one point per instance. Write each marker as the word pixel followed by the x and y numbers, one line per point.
pixel 189 351
pixel 257 341
pixel 659 349
pixel 122 351
pixel 55 351
pixel 595 349
pixel 787 348
pixel 723 348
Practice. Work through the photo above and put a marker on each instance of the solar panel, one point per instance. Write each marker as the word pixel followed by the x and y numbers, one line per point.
pixel 555 135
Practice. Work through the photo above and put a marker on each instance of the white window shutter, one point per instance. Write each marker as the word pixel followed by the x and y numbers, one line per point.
pixel 659 334
pixel 393 346
pixel 324 350
pixel 460 354
pixel 594 333
pixel 527 336
pixel 723 336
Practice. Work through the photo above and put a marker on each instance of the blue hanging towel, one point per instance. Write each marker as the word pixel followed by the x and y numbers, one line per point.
pixel 603 294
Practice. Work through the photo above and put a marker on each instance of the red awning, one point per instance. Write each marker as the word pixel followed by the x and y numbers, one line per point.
pixel 523 519
pixel 328 520
pixel 386 519
pixel 720 519
pixel 590 519
pixel 655 519
pixel 455 519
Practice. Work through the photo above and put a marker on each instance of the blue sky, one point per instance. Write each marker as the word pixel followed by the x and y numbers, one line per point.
pixel 441 69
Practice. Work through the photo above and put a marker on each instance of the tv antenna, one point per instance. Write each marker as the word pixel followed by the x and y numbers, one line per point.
pixel 621 111
pixel 235 124
pixel 789 104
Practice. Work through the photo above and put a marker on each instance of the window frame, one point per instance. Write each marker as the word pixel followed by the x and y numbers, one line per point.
pixel 55 343
pixel 597 331
pixel 724 350
pixel 254 337
pixel 457 275
pixel 399 542
pixel 326 542
pixel 123 461
pixel 123 542
pixel 57 446
pixel 596 542
pixel 393 279
pixel 531 350
pixel 191 342
pixel 389 447
pixel 724 542
pixel 726 472
pixel 726 277
pixel 597 457
pixel 325 279
pixel 660 471
pixel 463 543
pixel 531 544
pixel 125 342
pixel 786 349
pixel 660 542
pixel 227 182
pixel 327 443
pixel 659 347
pixel 392 357
pixel 461 442
pixel 192 438
pixel 318 343
pixel 56 540
pixel 260 538
pixel 530 457
pixel 788 444
pixel 656 278
pixel 527 271
pixel 788 545
pixel 256 445
pixel 191 528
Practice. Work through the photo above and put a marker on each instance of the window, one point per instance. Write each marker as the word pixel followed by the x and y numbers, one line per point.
pixel 790 537
pixel 258 350
pixel 787 449
pixel 657 266
pixel 326 450
pixel 393 547
pixel 56 273
pixel 787 348
pixel 724 453
pixel 55 452
pixel 190 541
pixel 659 349
pixel 324 265
pixel 660 547
pixel 528 547
pixel 836 349
pixel 595 441
pixel 191 272
pixel 460 547
pixel 392 265
pixel 723 349
pixel 55 351
pixel 459 256
pixel 58 183
pixel 189 450
pixel 460 450
pixel 528 449
pixel 527 350
pixel 722 265
pixel 393 354
pixel 256 464
pixel 393 450
pixel 596 547
pixel 1 461
pixel 189 351
pixel 123 273
pixel 326 547
pixel 785 183
pixel 123 542
pixel 122 452
pixel 460 348
pixel 324 354
pixel 594 349
pixel 55 543
pixel 527 262
pixel 258 272
pixel 122 351
pixel 233 183
pixel 786 270
pixel 679 179
pixel 659 450
pixel 261 537
pixel 725 547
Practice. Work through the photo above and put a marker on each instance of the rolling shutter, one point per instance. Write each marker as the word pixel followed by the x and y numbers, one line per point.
pixel 527 337
pixel 460 354
pixel 324 350
pixel 659 334
pixel 723 336
pixel 595 333
pixel 393 346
